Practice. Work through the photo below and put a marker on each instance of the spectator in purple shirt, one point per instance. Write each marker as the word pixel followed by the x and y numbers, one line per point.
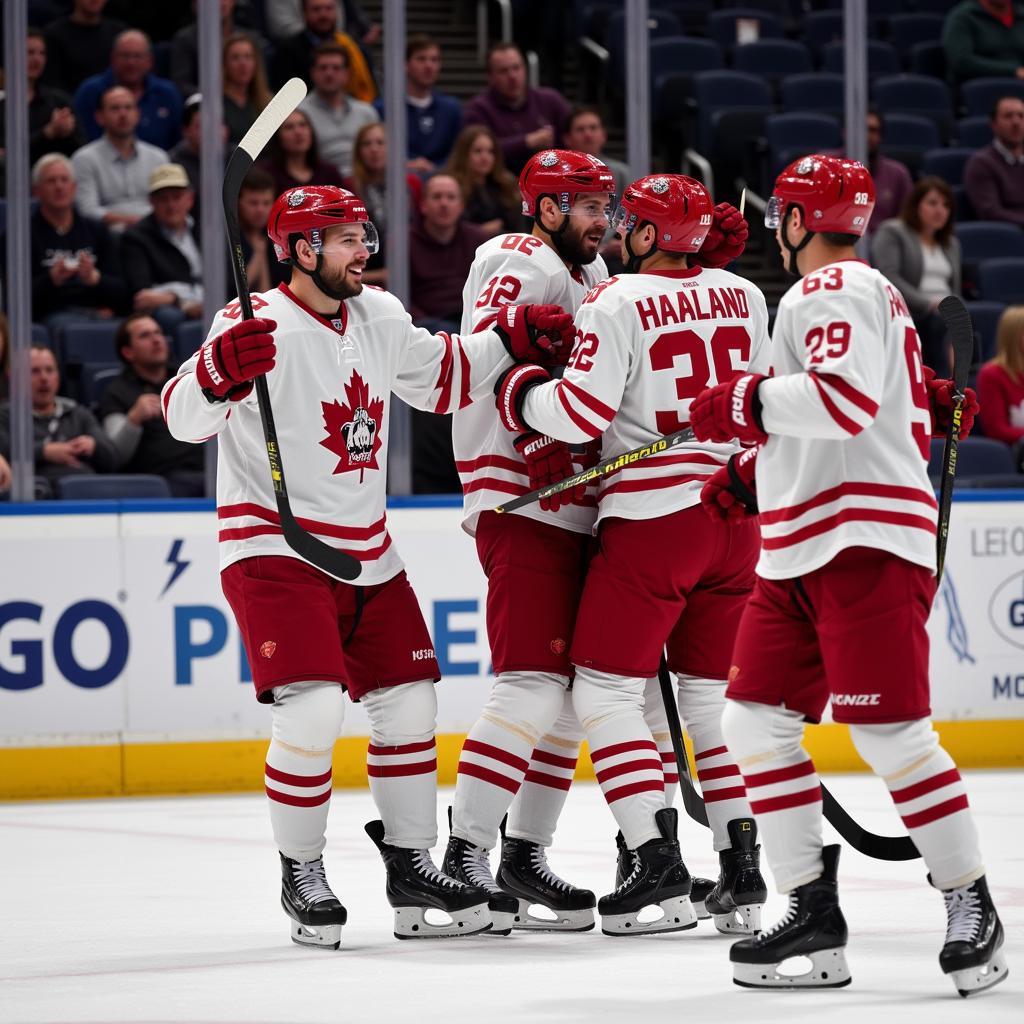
pixel 994 176
pixel 524 120
pixel 893 182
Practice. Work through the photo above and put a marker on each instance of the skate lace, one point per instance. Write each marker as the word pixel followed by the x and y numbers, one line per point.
pixel 539 862
pixel 477 868
pixel 786 919
pixel 633 873
pixel 311 881
pixel 963 914
pixel 422 863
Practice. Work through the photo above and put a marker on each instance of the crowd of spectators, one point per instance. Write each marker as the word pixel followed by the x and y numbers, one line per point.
pixel 115 141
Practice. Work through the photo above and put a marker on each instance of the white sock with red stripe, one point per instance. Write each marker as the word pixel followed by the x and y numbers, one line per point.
pixel 782 786
pixel 657 722
pixel 306 720
pixel 535 810
pixel 401 762
pixel 625 756
pixel 701 703
pixel 929 795
pixel 496 756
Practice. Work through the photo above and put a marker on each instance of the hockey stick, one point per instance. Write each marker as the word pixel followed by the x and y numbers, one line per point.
pixel 958 323
pixel 693 803
pixel 339 564
pixel 609 466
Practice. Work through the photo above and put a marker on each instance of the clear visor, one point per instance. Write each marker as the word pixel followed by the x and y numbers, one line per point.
pixel 773 213
pixel 594 208
pixel 623 221
pixel 346 241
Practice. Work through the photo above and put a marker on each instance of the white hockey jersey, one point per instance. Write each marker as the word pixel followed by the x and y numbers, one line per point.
pixel 646 345
pixel 847 411
pixel 331 394
pixel 519 269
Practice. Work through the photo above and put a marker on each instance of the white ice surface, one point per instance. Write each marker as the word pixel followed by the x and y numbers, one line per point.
pixel 157 910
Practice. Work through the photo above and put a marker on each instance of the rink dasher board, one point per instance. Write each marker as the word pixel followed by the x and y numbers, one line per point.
pixel 122 672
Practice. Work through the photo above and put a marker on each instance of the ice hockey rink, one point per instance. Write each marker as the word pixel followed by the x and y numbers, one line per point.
pixel 157 910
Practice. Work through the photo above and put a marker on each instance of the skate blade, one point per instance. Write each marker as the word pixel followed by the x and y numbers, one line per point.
pixel 325 936
pixel 828 970
pixel 502 923
pixel 564 921
pixel 744 920
pixel 700 910
pixel 412 923
pixel 977 979
pixel 677 915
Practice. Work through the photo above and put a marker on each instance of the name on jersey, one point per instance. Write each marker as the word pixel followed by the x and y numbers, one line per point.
pixel 706 304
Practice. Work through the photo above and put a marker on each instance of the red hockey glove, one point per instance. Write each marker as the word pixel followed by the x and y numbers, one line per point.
pixel 940 404
pixel 538 334
pixel 511 390
pixel 725 241
pixel 228 363
pixel 548 462
pixel 729 410
pixel 731 492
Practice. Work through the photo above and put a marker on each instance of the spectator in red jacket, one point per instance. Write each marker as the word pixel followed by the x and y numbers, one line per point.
pixel 524 120
pixel 1001 384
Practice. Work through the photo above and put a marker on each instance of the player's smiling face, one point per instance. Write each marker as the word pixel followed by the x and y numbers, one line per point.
pixel 588 223
pixel 345 255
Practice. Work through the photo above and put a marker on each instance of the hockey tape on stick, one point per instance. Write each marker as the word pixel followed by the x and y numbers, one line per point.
pixel 330 560
pixel 961 333
pixel 606 468
pixel 693 803
pixel 743 201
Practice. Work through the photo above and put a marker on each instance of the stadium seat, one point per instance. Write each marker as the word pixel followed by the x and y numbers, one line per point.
pixel 93 380
pixel 727 92
pixel 692 14
pixel 772 58
pixel 41 336
pixel 91 342
pixel 794 134
pixel 985 319
pixel 973 132
pixel 724 30
pixel 187 338
pixel 986 239
pixel 906 30
pixel 821 91
pixel 947 164
pixel 962 205
pixel 660 24
pixel 981 462
pixel 928 59
pixel 979 96
pixel 882 59
pixel 916 94
pixel 112 485
pixel 821 28
pixel 907 138
pixel 1001 280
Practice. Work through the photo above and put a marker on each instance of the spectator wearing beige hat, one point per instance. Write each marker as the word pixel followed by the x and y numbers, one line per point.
pixel 113 172
pixel 162 262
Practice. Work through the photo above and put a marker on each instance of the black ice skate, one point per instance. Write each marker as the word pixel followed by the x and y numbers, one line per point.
pixel 736 901
pixel 973 952
pixel 813 928
pixel 699 887
pixel 416 886
pixel 524 873
pixel 317 916
pixel 657 878
pixel 472 865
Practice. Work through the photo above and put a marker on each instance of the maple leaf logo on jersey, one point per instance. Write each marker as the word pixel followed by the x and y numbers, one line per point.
pixel 353 428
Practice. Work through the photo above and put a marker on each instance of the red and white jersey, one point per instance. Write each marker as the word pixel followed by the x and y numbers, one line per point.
pixel 518 269
pixel 646 345
pixel 847 411
pixel 331 392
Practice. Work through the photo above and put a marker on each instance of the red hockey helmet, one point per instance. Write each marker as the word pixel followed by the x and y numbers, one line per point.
pixel 833 193
pixel 563 174
pixel 678 207
pixel 309 210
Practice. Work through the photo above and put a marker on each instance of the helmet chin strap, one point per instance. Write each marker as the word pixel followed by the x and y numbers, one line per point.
pixel 791 265
pixel 635 261
pixel 330 292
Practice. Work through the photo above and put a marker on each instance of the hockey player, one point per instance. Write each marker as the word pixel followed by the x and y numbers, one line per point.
pixel 527 738
pixel 845 582
pixel 646 343
pixel 333 354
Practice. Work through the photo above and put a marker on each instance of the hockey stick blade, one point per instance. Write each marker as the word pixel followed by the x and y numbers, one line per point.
pixel 868 843
pixel 606 468
pixel 339 564
pixel 693 802
pixel 961 332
